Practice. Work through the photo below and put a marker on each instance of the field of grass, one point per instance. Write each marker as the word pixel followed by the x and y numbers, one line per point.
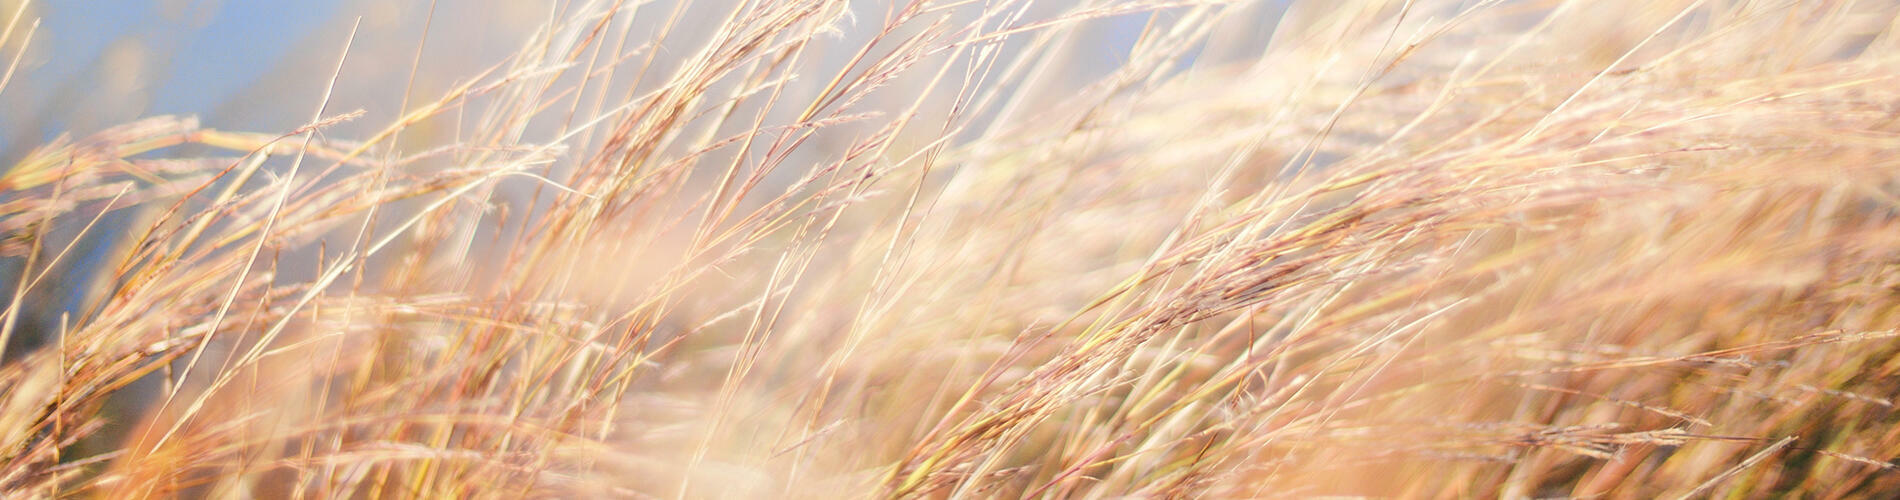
pixel 990 249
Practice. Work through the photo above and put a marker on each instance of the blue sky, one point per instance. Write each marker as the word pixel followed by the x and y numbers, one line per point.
pixel 196 54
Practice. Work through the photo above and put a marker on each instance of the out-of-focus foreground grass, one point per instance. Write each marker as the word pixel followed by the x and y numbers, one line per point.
pixel 821 249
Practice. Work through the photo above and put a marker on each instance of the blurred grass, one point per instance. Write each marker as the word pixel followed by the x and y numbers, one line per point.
pixel 819 249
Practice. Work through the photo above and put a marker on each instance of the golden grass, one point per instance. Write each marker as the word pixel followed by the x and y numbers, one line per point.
pixel 1423 249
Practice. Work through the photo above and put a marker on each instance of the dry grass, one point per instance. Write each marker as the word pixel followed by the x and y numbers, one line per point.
pixel 1422 249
